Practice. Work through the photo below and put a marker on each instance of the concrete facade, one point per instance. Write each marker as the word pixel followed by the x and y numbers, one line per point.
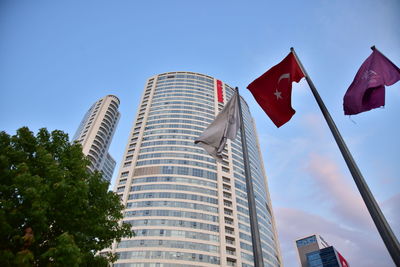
pixel 95 134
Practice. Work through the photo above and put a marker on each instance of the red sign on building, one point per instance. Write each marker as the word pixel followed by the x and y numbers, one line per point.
pixel 219 92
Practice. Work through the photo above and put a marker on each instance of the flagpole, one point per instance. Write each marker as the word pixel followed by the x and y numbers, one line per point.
pixel 255 233
pixel 387 235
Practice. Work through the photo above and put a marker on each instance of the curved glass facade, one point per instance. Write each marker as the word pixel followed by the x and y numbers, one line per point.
pixel 185 208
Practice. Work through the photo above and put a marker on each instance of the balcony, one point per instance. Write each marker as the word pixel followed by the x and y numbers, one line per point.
pixel 228 212
pixel 230 252
pixel 226 180
pixel 228 203
pixel 231 263
pixel 228 221
pixel 229 230
pixel 227 195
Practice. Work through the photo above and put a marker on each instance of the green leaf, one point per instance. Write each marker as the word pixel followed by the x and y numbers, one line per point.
pixel 54 212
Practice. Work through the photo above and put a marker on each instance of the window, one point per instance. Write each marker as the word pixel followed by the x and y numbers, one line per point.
pixel 225 169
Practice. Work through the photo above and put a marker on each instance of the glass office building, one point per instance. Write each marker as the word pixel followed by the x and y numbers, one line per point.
pixel 314 251
pixel 326 257
pixel 185 208
pixel 309 244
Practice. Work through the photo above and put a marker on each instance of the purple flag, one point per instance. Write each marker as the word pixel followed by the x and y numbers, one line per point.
pixel 368 88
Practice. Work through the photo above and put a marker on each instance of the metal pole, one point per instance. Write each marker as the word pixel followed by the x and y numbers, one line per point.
pixel 390 240
pixel 255 233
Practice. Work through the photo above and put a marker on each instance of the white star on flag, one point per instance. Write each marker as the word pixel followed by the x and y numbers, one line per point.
pixel 278 94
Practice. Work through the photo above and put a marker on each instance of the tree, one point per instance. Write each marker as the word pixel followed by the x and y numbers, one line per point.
pixel 53 212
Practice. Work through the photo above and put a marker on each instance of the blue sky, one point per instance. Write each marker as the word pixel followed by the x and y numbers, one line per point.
pixel 58 57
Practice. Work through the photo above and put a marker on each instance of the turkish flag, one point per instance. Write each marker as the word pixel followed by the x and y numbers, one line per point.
pixel 342 260
pixel 273 89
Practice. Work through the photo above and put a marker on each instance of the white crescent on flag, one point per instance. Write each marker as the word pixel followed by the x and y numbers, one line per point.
pixel 284 76
pixel 277 93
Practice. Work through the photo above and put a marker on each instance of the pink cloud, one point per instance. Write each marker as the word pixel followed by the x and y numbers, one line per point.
pixel 391 209
pixel 348 225
pixel 334 208
pixel 360 248
pixel 339 192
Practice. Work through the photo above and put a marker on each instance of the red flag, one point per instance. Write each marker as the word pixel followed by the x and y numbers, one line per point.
pixel 273 89
pixel 342 260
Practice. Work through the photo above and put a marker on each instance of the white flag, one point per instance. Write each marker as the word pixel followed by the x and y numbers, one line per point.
pixel 225 125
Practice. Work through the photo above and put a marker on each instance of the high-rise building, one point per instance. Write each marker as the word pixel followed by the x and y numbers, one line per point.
pixel 95 133
pixel 314 251
pixel 185 208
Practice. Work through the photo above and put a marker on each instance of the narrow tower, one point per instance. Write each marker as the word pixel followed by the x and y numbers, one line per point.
pixel 95 133
pixel 185 208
